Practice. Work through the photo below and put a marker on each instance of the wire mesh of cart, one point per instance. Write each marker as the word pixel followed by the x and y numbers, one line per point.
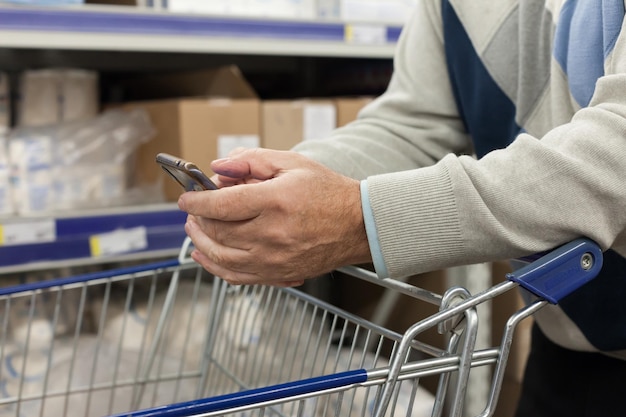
pixel 168 339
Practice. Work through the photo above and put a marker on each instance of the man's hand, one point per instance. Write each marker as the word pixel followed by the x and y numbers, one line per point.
pixel 279 219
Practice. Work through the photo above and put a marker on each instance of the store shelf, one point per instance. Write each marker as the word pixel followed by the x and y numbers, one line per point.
pixel 148 30
pixel 91 36
pixel 30 243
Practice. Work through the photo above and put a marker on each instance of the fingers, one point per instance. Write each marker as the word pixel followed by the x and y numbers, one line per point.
pixel 232 277
pixel 218 260
pixel 289 218
pixel 227 204
pixel 250 167
pixel 240 235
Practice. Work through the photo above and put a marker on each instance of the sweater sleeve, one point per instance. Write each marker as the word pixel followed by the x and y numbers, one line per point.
pixel 529 197
pixel 414 123
pixel 535 194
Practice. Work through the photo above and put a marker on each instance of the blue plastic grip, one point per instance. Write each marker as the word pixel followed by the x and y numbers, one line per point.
pixel 253 396
pixel 76 279
pixel 561 271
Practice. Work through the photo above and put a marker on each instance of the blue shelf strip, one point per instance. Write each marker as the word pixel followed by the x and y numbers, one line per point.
pixel 164 231
pixel 77 20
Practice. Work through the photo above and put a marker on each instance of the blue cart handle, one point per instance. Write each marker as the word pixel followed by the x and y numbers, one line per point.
pixel 561 271
pixel 253 396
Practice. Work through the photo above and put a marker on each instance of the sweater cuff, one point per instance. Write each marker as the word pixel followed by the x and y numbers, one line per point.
pixel 372 233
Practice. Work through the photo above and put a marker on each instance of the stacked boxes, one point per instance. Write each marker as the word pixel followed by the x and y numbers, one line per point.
pixel 57 95
pixel 198 115
pixel 285 123
pixel 47 98
pixel 203 115
pixel 208 114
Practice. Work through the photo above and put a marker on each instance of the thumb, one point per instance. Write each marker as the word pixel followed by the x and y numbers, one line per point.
pixel 258 163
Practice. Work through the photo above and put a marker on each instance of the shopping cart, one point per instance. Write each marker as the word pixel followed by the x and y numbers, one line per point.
pixel 167 339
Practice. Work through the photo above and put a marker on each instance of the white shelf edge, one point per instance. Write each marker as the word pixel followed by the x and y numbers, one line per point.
pixel 188 44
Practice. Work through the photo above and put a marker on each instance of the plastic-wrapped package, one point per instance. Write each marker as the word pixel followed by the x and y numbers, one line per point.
pixel 76 165
pixel 30 170
pixel 6 198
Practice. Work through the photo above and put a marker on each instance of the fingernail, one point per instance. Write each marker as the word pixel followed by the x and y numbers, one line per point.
pixel 190 225
pixel 181 203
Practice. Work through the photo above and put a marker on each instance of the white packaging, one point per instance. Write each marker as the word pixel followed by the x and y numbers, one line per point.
pixel 79 95
pixel 328 9
pixel 301 9
pixel 376 11
pixel 31 173
pixel 75 165
pixel 318 120
pixel 38 104
pixel 6 201
pixel 57 95
pixel 44 2
pixel 84 186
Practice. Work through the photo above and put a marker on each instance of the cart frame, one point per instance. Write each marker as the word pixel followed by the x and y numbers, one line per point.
pixel 548 276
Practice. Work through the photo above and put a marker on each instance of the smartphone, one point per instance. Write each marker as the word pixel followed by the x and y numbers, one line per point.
pixel 187 174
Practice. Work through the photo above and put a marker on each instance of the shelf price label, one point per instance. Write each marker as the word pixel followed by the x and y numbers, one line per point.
pixel 27 232
pixel 118 241
pixel 365 34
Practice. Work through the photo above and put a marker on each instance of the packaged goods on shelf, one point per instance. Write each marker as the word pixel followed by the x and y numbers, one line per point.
pixel 75 165
pixel 199 116
pixel 285 123
pixel 137 3
pixel 328 9
pixel 43 2
pixel 376 11
pixel 6 200
pixel 5 104
pixel 30 156
pixel 253 8
pixel 57 95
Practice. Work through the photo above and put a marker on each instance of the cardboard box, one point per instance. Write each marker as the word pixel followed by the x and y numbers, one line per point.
pixel 197 129
pixel 285 123
pixel 348 108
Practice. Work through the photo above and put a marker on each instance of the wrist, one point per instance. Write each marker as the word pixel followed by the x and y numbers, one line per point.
pixel 359 246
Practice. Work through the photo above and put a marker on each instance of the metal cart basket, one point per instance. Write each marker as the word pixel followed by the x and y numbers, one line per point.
pixel 167 339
